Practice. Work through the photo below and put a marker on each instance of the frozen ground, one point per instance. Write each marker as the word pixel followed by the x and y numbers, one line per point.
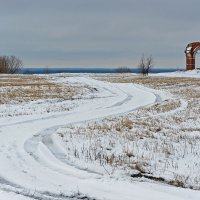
pixel 191 74
pixel 91 150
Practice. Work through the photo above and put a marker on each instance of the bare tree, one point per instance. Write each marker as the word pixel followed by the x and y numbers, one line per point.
pixel 10 64
pixel 145 65
pixel 3 64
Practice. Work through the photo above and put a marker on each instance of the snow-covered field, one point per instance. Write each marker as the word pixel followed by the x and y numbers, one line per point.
pixel 126 137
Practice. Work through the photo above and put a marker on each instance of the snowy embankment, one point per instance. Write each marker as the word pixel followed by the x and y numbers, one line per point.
pixel 190 74
pixel 35 165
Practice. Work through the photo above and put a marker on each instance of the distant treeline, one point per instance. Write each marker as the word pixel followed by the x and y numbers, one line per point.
pixel 88 70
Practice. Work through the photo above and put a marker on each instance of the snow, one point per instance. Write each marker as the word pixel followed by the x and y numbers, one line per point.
pixel 12 196
pixel 189 74
pixel 34 164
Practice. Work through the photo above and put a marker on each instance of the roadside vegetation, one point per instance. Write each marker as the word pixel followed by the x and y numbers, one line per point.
pixel 156 143
pixel 22 88
pixel 39 94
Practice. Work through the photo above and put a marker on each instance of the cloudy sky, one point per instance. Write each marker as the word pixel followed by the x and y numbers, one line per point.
pixel 98 32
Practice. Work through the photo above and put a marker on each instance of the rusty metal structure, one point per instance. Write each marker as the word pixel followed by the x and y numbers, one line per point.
pixel 190 53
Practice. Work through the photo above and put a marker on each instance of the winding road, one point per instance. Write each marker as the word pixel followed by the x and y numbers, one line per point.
pixel 32 167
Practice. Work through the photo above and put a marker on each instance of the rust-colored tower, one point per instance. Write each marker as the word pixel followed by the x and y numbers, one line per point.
pixel 190 53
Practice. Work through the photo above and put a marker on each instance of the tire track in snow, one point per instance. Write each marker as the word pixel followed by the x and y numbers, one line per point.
pixel 44 137
pixel 122 98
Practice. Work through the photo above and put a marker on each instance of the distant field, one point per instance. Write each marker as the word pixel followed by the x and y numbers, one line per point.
pixel 22 88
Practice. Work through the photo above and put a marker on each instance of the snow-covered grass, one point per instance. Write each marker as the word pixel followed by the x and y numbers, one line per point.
pixel 181 73
pixel 161 141
pixel 122 139
pixel 35 94
pixel 22 88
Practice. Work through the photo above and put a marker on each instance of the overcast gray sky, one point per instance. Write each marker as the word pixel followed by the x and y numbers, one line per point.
pixel 98 32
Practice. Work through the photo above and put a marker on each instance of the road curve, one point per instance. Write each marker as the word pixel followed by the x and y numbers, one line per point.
pixel 32 167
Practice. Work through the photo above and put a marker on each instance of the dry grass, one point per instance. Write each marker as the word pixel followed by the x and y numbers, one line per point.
pixel 30 88
pixel 154 81
pixel 162 141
